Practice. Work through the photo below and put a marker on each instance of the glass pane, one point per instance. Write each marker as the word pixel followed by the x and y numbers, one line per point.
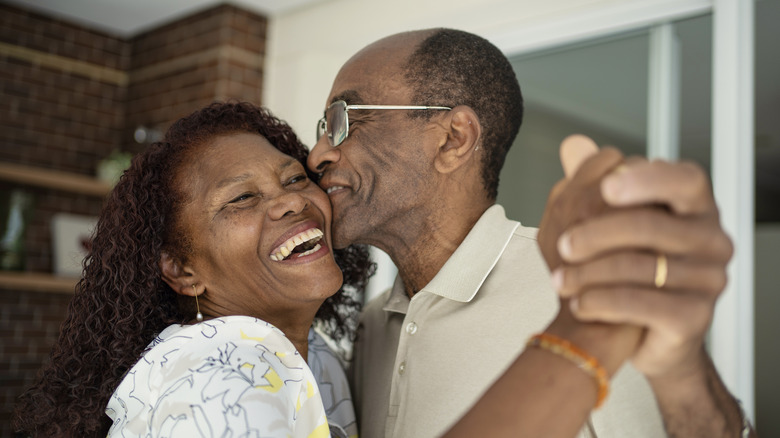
pixel 767 112
pixel 767 248
pixel 598 89
pixel 695 37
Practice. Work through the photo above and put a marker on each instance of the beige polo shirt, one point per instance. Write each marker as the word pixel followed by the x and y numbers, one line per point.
pixel 420 364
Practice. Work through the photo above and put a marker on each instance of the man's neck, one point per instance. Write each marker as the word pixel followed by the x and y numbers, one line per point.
pixel 419 259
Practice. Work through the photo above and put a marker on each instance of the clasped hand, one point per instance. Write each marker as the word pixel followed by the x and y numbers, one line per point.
pixel 637 243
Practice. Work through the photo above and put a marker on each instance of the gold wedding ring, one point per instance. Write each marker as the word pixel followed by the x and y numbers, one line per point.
pixel 660 271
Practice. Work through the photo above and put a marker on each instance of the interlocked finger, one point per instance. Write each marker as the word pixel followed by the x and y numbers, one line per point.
pixel 641 269
pixel 574 199
pixel 683 187
pixel 679 313
pixel 649 228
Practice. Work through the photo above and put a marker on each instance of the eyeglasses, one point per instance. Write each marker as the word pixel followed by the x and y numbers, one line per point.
pixel 336 120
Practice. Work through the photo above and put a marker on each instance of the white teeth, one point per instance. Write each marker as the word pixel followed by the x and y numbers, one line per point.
pixel 287 247
pixel 311 251
pixel 333 189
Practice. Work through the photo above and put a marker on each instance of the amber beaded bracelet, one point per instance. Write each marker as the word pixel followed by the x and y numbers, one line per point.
pixel 583 360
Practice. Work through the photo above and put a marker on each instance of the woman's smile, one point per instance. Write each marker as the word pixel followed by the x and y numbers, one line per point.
pixel 301 244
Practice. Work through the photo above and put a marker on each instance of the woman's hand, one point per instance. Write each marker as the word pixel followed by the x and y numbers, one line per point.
pixel 573 201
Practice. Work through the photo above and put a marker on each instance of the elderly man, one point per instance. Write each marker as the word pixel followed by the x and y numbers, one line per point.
pixel 415 133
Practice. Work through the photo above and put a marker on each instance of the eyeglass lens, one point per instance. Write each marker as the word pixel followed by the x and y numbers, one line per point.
pixel 337 123
pixel 321 125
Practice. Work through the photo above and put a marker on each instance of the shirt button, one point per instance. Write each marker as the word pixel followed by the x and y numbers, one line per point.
pixel 411 328
pixel 402 368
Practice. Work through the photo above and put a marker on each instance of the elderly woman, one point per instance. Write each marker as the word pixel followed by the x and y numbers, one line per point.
pixel 210 262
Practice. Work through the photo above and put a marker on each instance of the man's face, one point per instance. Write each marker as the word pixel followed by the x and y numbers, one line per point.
pixel 374 178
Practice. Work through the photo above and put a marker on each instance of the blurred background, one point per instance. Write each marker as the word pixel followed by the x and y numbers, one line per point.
pixel 85 84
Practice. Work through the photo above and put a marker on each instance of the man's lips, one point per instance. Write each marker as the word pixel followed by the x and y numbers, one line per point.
pixel 332 189
pixel 333 183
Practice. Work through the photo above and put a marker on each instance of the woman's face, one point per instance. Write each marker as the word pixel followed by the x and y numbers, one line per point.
pixel 260 231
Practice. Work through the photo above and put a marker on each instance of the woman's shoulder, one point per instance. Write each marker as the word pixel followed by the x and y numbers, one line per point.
pixel 219 329
pixel 235 364
pixel 237 341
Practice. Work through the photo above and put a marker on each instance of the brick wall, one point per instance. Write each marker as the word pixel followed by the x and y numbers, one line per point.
pixel 216 54
pixel 29 323
pixel 58 90
pixel 68 97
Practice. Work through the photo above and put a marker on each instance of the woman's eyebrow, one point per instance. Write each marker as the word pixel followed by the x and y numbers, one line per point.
pixel 289 163
pixel 233 179
pixel 245 176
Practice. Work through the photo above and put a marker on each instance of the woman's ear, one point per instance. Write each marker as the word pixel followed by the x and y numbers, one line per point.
pixel 463 139
pixel 176 275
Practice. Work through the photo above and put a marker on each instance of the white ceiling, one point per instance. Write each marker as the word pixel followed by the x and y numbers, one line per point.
pixel 126 18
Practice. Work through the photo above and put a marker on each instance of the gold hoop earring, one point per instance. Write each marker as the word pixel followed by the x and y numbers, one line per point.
pixel 198 316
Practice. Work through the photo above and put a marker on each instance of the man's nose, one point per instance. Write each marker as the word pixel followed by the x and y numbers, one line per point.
pixel 322 154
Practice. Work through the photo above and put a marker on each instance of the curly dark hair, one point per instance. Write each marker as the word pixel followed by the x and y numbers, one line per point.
pixel 122 303
pixel 452 67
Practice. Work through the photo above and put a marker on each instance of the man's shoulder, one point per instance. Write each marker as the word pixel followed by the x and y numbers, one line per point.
pixel 494 218
pixel 525 233
pixel 523 243
pixel 375 305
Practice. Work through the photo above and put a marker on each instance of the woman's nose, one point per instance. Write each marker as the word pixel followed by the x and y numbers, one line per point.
pixel 287 204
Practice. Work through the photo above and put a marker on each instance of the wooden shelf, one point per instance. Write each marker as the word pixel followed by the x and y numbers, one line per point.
pixel 55 180
pixel 52 179
pixel 34 281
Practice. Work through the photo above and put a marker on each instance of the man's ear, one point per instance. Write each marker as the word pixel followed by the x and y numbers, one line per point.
pixel 464 135
pixel 179 278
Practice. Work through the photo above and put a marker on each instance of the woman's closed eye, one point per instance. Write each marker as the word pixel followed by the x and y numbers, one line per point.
pixel 297 179
pixel 241 197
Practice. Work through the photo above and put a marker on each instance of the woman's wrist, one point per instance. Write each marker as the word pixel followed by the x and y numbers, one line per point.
pixel 610 344
pixel 578 357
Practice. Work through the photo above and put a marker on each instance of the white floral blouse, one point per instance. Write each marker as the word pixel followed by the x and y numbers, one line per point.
pixel 232 376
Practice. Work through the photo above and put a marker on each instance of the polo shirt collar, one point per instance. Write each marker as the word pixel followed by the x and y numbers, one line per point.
pixel 467 268
pixel 398 300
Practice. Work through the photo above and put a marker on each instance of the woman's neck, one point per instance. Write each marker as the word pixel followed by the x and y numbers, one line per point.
pixel 301 343
pixel 295 328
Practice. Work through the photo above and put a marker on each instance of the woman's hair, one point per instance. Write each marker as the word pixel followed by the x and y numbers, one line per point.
pixel 122 303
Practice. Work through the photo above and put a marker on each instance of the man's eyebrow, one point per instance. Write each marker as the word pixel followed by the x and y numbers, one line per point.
pixel 352 97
